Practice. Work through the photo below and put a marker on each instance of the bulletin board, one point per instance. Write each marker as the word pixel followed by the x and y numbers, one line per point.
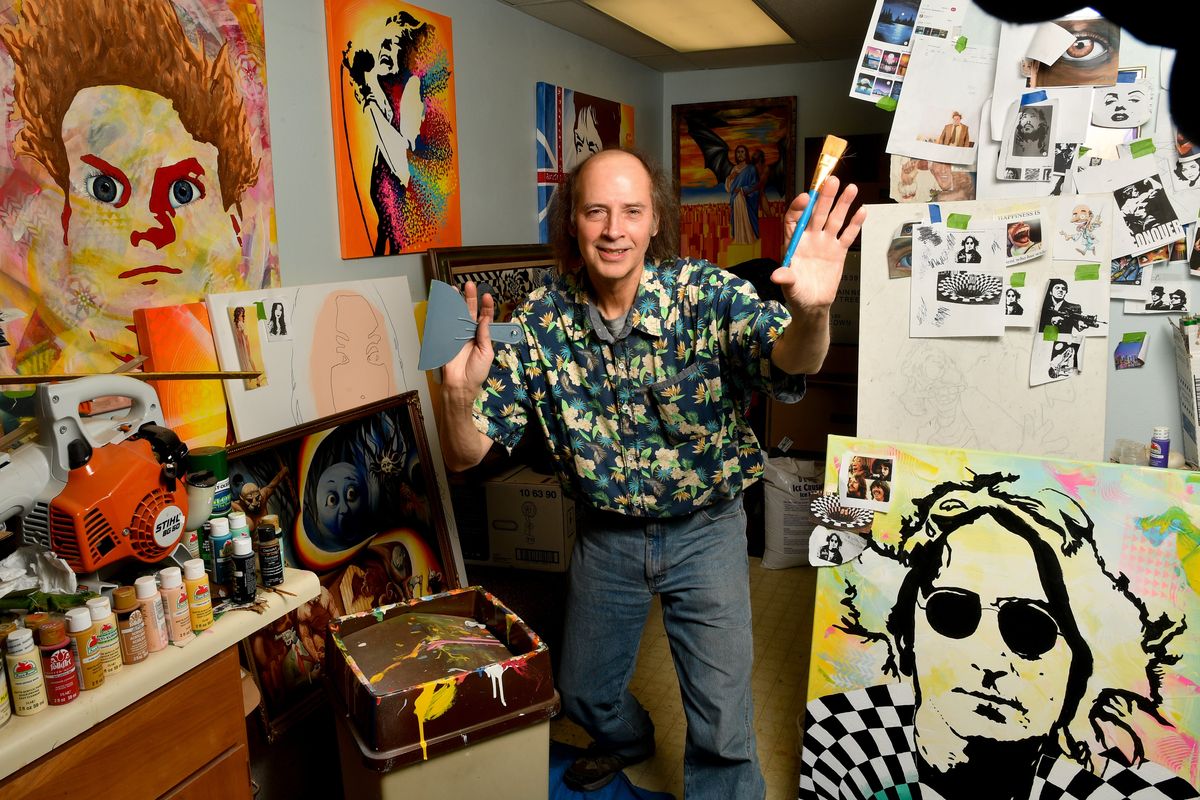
pixel 969 392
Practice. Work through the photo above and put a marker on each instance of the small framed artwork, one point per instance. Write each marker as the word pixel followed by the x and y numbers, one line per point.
pixel 511 272
pixel 355 497
pixel 734 162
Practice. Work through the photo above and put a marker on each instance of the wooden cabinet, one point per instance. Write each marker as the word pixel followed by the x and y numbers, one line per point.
pixel 186 740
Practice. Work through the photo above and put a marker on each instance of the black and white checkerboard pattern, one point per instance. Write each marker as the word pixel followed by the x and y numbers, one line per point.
pixel 860 746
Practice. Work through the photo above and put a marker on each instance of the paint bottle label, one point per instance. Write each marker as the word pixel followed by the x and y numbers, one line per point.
pixel 222 498
pixel 179 618
pixel 199 604
pixel 271 559
pixel 27 688
pixel 5 703
pixel 110 645
pixel 62 683
pixel 1160 447
pixel 245 584
pixel 89 661
pixel 132 627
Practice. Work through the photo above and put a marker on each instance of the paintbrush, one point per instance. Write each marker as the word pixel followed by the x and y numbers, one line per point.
pixel 830 153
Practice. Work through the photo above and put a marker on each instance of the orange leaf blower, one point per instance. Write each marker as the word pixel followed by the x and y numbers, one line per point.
pixel 96 491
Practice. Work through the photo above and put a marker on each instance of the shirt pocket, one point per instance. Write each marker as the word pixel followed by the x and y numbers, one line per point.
pixel 688 404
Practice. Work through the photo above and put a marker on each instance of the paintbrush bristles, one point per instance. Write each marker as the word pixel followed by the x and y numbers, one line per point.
pixel 834 146
pixel 832 150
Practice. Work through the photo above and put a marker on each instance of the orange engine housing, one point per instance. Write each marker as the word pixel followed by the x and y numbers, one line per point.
pixel 117 506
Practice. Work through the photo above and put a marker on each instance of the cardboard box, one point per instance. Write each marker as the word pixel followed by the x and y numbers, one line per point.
pixel 826 409
pixel 530 524
pixel 1187 374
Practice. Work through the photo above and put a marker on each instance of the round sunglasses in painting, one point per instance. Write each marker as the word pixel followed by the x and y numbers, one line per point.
pixel 1025 625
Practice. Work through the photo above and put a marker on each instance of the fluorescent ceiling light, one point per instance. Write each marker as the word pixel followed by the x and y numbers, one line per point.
pixel 687 26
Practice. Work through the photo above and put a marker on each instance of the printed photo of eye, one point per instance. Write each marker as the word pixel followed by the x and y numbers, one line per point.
pixel 1091 60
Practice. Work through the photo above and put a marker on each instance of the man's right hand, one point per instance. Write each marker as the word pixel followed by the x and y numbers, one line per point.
pixel 466 372
pixel 462 379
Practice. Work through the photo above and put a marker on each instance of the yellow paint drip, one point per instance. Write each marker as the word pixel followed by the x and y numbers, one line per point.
pixel 435 699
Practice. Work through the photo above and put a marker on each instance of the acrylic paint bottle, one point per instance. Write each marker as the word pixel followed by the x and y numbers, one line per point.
pixel 205 537
pixel 245 582
pixel 25 673
pixel 155 618
pixel 85 646
pixel 58 664
pixel 270 556
pixel 199 595
pixel 5 702
pixel 35 620
pixel 215 460
pixel 219 537
pixel 238 527
pixel 131 624
pixel 175 605
pixel 107 633
pixel 1160 446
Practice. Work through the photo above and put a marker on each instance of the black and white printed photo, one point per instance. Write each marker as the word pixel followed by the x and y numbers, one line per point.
pixel 1144 205
pixel 1167 296
pixel 1031 139
pixel 968 252
pixel 278 317
pixel 1012 303
pixel 1069 316
pixel 968 288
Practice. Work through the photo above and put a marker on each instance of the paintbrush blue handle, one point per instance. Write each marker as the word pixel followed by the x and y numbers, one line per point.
pixel 800 226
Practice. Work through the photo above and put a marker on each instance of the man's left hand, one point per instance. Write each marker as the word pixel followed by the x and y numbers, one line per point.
pixel 811 280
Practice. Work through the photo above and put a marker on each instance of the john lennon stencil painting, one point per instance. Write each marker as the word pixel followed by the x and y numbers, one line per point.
pixel 1015 628
pixel 391 78
pixel 137 169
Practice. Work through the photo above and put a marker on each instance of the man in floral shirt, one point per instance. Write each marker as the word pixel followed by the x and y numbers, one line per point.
pixel 637 367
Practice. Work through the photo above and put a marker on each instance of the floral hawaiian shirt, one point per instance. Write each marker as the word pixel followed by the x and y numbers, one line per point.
pixel 650 424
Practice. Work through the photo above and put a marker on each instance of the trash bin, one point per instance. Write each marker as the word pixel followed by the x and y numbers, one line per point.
pixel 451 693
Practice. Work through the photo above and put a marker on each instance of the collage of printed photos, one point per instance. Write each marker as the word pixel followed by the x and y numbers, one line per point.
pixel 1091 194
pixel 895 24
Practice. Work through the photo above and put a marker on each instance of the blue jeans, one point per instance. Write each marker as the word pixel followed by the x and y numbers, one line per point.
pixel 698 566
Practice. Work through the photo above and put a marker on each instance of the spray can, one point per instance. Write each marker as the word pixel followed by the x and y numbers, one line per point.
pixel 270 556
pixel 155 618
pixel 238 527
pixel 199 595
pixel 107 633
pixel 25 673
pixel 175 605
pixel 131 625
pixel 58 664
pixel 1160 446
pixel 219 538
pixel 214 460
pixel 245 583
pixel 85 646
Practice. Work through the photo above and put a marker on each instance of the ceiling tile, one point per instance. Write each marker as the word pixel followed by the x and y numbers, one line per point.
pixel 589 23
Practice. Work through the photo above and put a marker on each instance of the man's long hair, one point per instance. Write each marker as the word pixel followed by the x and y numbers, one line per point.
pixel 561 216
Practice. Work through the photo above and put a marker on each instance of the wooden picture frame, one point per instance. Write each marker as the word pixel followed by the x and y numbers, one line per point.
pixel 382 538
pixel 513 271
pixel 715 224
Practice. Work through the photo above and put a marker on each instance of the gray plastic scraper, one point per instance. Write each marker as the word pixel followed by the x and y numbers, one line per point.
pixel 448 324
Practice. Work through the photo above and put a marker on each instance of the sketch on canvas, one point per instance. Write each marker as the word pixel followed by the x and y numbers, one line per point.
pixel 964 392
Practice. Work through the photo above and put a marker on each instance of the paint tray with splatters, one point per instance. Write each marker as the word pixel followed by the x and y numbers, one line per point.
pixel 428 676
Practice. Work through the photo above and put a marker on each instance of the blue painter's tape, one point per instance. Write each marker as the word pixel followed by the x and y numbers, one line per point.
pixel 935 213
pixel 1033 97
pixel 1126 76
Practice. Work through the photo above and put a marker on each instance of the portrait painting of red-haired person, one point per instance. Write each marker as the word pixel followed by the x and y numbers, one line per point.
pixel 138 133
